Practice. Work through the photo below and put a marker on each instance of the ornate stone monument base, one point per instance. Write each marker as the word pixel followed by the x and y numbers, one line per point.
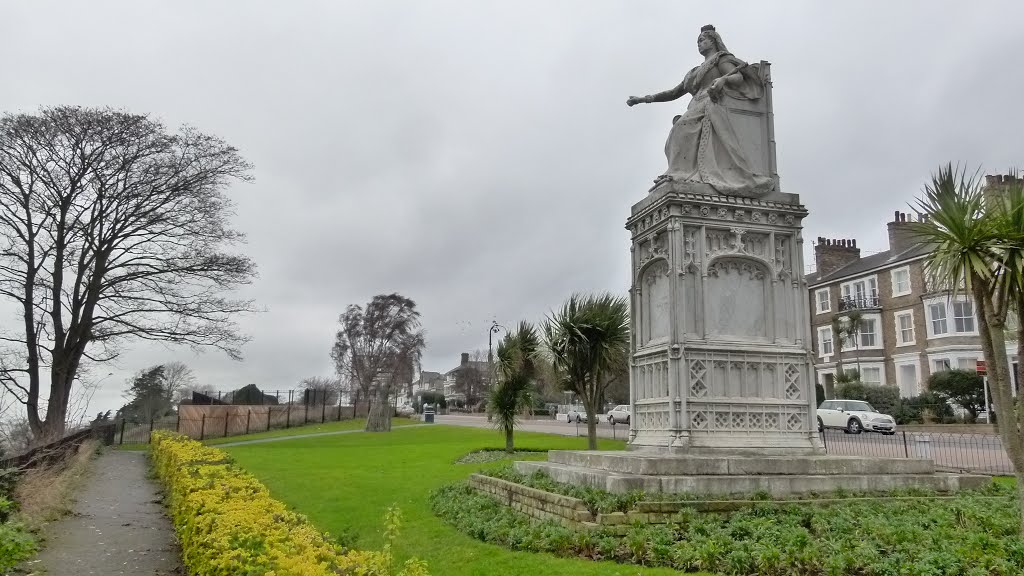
pixel 721 390
pixel 728 475
pixel 721 344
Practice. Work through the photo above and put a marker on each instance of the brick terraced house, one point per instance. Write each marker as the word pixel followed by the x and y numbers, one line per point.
pixel 909 329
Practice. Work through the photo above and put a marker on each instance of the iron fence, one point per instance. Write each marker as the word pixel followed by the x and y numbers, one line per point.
pixel 955 452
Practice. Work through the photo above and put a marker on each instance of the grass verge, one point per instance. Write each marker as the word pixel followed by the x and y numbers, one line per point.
pixel 345 483
pixel 37 497
pixel 45 494
pixel 227 523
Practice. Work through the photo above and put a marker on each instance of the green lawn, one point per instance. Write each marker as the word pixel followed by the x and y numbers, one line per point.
pixel 344 483
pixel 357 424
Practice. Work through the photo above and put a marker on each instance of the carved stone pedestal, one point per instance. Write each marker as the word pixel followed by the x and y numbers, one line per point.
pixel 721 349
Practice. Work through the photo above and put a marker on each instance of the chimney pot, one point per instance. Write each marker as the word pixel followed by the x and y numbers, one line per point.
pixel 831 254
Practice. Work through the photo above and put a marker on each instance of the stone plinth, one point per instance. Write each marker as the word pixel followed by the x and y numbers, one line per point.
pixel 737 475
pixel 721 343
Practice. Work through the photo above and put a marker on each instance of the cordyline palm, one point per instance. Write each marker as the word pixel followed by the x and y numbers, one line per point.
pixel 977 242
pixel 517 367
pixel 588 339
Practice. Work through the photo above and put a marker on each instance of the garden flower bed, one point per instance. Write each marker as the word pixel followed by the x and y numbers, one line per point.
pixel 970 533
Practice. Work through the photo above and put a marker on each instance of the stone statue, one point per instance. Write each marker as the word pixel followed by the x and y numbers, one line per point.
pixel 703 145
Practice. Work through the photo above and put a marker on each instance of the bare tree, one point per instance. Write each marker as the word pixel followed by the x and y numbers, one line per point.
pixel 111 228
pixel 179 380
pixel 322 390
pixel 379 348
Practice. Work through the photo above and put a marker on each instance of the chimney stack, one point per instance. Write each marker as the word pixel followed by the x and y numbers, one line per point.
pixel 900 237
pixel 832 254
pixel 465 359
pixel 998 184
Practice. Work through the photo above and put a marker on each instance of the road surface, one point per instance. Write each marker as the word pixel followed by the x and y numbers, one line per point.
pixel 981 453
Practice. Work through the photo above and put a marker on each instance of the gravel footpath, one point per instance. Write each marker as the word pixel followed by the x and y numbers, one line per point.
pixel 118 525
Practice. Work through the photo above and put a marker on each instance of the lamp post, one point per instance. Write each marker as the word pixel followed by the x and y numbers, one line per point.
pixel 490 353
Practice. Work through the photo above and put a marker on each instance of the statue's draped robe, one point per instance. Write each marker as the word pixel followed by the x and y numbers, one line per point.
pixel 703 145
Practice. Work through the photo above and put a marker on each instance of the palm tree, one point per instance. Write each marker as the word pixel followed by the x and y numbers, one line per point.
pixel 517 367
pixel 844 327
pixel 977 239
pixel 588 341
pixel 837 346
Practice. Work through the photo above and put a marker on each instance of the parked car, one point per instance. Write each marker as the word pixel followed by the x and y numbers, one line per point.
pixel 576 414
pixel 854 417
pixel 618 415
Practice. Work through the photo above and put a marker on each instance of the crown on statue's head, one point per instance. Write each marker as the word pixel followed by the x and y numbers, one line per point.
pixel 707 28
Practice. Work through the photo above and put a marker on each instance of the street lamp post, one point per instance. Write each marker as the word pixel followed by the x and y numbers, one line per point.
pixel 490 353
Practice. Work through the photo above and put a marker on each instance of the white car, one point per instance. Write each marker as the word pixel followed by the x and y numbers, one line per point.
pixel 618 415
pixel 854 417
pixel 576 414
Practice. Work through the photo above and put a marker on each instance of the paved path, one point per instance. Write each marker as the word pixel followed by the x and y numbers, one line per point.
pixel 298 436
pixel 118 525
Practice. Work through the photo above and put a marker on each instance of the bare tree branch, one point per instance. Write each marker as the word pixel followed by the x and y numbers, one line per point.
pixel 111 229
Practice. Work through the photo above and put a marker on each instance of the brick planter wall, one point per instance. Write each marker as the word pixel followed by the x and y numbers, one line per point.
pixel 574 513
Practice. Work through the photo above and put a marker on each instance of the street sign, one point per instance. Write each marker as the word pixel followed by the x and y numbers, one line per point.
pixel 981 368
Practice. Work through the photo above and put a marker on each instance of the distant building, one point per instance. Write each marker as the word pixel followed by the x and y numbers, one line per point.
pixel 478 379
pixel 428 382
pixel 909 328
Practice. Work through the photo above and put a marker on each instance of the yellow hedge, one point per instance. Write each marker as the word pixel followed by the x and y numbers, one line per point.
pixel 228 524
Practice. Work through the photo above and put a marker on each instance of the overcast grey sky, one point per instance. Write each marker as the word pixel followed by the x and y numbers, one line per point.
pixel 479 157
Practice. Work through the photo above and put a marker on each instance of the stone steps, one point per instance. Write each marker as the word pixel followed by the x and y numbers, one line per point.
pixel 734 484
pixel 641 464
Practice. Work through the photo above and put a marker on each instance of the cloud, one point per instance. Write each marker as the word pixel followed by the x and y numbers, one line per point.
pixel 479 157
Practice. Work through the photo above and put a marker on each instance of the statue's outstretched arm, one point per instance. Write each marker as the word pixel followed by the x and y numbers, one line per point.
pixel 666 96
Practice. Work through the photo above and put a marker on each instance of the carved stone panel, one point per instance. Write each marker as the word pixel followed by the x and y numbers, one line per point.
pixel 737 303
pixel 651 377
pixel 656 307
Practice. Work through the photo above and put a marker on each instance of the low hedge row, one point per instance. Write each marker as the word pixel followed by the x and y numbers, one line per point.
pixel 227 523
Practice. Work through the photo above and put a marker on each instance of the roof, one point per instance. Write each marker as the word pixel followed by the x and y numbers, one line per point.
pixel 479 365
pixel 868 263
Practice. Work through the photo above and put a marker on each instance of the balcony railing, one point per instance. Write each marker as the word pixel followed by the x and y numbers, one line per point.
pixel 858 303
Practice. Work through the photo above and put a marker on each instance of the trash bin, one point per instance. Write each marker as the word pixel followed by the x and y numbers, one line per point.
pixel 428 414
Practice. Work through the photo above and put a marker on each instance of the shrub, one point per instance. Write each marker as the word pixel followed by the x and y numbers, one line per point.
pixel 962 387
pixel 227 523
pixel 16 543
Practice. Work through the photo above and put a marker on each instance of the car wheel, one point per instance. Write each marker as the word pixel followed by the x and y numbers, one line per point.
pixel 627 420
pixel 578 419
pixel 889 433
pixel 854 426
pixel 568 419
pixel 821 426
